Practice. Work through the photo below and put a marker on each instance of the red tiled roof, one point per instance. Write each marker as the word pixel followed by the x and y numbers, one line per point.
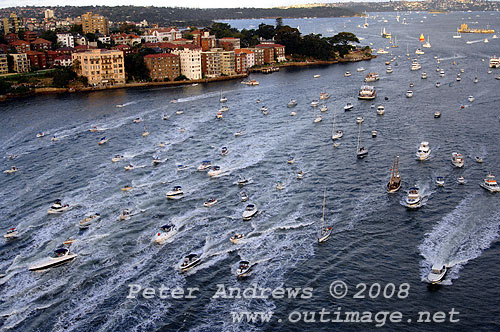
pixel 161 55
pixel 19 42
pixel 242 50
pixel 230 38
pixel 34 53
pixel 269 45
pixel 41 41
pixel 122 46
pixel 63 57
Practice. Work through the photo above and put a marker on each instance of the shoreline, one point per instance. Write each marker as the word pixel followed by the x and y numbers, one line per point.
pixel 51 90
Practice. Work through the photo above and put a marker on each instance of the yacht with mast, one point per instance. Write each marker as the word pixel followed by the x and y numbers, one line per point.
pixel 336 134
pixel 325 231
pixel 361 152
pixel 395 181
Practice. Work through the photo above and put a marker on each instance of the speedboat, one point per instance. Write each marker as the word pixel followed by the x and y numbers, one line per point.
pixel 424 75
pixel 190 261
pixel 175 193
pixel 103 140
pixel 292 103
pixel 125 215
pixel 324 108
pixel 224 108
pixel 318 119
pixel 85 223
pixel 348 107
pixel 13 169
pixel 360 69
pixel 181 167
pixel 116 158
pixel 280 185
pixel 205 165
pixel 129 167
pixel 291 160
pixel 137 120
pixel 239 133
pixel 461 180
pixel 324 96
pixel 57 207
pixel 219 115
pixel 437 273
pixel 457 160
pixel 162 144
pixel 223 100
pixel 210 202
pixel 411 85
pixel 419 51
pixel 413 199
pixel 367 92
pixel 490 184
pixel 157 160
pixel 165 117
pixel 424 151
pixel 242 182
pixel 437 115
pixel 359 119
pixel 236 238
pixel 440 181
pixel 479 159
pixel 60 256
pixel 126 188
pixel 347 74
pixel 441 73
pixel 11 234
pixel 374 133
pixel 250 212
pixel 380 110
pixel 264 109
pixel 415 65
pixel 94 129
pixel 476 79
pixel 224 151
pixel 471 99
pixel 382 51
pixel 216 170
pixel 145 133
pixel 40 134
pixel 317 76
pixel 300 175
pixel 371 77
pixel 409 93
pixel 459 78
pixel 244 196
pixel 315 103
pixel 54 138
pixel 165 233
pixel 361 153
pixel 438 84
pixel 244 269
pixel 388 70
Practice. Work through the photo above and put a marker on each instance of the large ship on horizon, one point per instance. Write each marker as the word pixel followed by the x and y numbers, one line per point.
pixel 464 28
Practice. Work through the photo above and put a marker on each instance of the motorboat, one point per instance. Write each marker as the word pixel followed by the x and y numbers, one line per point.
pixel 374 133
pixel 244 196
pixel 476 79
pixel 103 140
pixel 360 69
pixel 219 115
pixel 223 100
pixel 479 159
pixel 437 274
pixel 165 233
pixel 461 180
pixel 413 200
pixel 280 185
pixel 179 112
pixel 441 73
pixel 424 151
pixel 11 234
pixel 224 108
pixel 300 175
pixel 126 188
pixel 459 78
pixel 257 101
pixel 380 110
pixel 324 96
pixel 409 93
pixel 471 99
pixel 181 167
pixel 440 181
pixel 382 51
pixel 323 108
pixel 438 84
pixel 94 129
pixel 137 120
pixel 236 238
pixel 424 75
pixel 224 151
pixel 175 193
pixel 412 85
pixel 437 115
pixel 395 181
pixel 291 160
pixel 86 222
pixel 325 231
pixel 317 119
pixel 125 215
pixel 388 70
pixel 239 133
pixel 292 103
pixel 40 134
pixel 189 262
pixel 361 152
pixel 117 158
pixel 162 144
pixel 367 92
pixel 317 76
pixel 264 109
pixel 359 119
pixel 210 202
pixel 371 77
pixel 250 212
pixel 419 51
pixel 490 183
pixel 244 269
pixel 59 257
pixel 348 107
pixel 129 167
pixel 216 170
pixel 119 105
pixel 315 103
pixel 457 160
pixel 11 170
pixel 157 160
pixel 54 138
pixel 242 182
pixel 58 207
pixel 205 165
pixel 165 117
pixel 415 66
pixel 347 74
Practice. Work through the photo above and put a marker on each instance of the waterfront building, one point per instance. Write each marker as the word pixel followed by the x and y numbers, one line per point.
pixel 227 63
pixel 101 67
pixel 37 60
pixel 66 39
pixel 245 59
pixel 190 59
pixel 210 63
pixel 163 66
pixel 229 43
pixel 21 63
pixel 258 56
pixel 4 67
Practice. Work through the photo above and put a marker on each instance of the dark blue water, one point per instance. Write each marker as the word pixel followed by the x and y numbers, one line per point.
pixel 376 239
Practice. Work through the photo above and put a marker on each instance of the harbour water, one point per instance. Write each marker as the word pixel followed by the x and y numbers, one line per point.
pixel 375 238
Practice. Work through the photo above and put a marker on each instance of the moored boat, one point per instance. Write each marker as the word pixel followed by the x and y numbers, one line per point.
pixel 394 183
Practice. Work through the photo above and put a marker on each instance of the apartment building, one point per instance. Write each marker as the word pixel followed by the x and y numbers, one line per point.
pixel 4 67
pixel 21 63
pixel 227 62
pixel 163 66
pixel 92 23
pixel 101 67
pixel 210 63
pixel 66 39
pixel 190 59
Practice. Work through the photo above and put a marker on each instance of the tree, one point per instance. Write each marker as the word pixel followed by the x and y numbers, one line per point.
pixel 4 87
pixel 76 28
pixel 62 77
pixel 91 37
pixel 221 30
pixel 50 36
pixel 181 78
pixel 290 37
pixel 341 42
pixel 135 67
pixel 279 22
pixel 266 31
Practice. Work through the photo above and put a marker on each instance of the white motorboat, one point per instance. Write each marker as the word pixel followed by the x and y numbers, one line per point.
pixel 125 215
pixel 179 112
pixel 175 193
pixel 382 51
pixel 157 160
pixel 244 196
pixel 264 109
pixel 437 115
pixel 409 93
pixel 181 167
pixel 224 108
pixel 54 139
pixel 292 103
pixel 129 167
pixel 457 159
pixel 224 151
pixel 438 84
pixel 86 222
pixel 424 151
pixel 348 107
pixel 317 119
pixel 293 113
pixel 471 99
pixel 347 74
pixel 11 234
pixel 424 75
pixel 415 66
pixel 359 119
pixel 223 100
pixel 490 183
pixel 371 77
pixel 388 70
pixel 300 175
pixel 380 110
pixel 374 133
pixel 437 274
pixel 40 134
pixel 315 103
pixel 126 188
pixel 367 92
pixel 317 76
pixel 205 165
pixel 94 129
pixel 162 144
pixel 441 73
pixel 11 170
pixel 103 140
pixel 413 200
pixel 459 78
pixel 244 269
pixel 280 185
pixel 360 69
pixel 242 182
pixel 59 257
pixel 210 202
pixel 324 96
pixel 412 85
pixel 323 108
pixel 476 79
pixel 215 171
pixel 419 51
pixel 165 233
pixel 236 238
pixel 58 207
pixel 250 212
pixel 137 120
pixel 165 117
pixel 189 262
pixel 461 180
pixel 117 158
pixel 440 181
pixel 239 133
pixel 479 159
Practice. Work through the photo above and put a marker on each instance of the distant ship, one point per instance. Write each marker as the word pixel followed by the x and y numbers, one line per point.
pixel 464 28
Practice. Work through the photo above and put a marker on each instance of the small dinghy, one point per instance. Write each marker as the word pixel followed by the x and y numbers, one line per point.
pixel 189 262
pixel 85 223
pixel 11 170
pixel 244 196
pixel 440 181
pixel 116 158
pixel 103 140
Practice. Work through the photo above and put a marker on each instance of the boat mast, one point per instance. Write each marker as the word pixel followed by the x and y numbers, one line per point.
pixel 359 137
pixel 333 126
pixel 397 165
pixel 323 217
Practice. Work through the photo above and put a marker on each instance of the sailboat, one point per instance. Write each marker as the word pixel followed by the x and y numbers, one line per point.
pixel 407 51
pixel 145 132
pixel 222 99
pixel 394 44
pixel 458 35
pixel 361 151
pixel 325 232
pixel 366 21
pixel 395 181
pixel 336 134
pixel 422 38
pixel 427 44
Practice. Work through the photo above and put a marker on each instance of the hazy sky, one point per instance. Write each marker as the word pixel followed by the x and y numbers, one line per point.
pixel 162 3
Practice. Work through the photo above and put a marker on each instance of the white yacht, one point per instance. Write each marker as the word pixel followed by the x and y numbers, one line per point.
pixel 360 69
pixel 438 84
pixel 210 202
pixel 471 99
pixel 189 262
pixel 437 115
pixel 336 134
pixel 347 74
pixel 419 51
pixel 317 119
pixel 323 108
pixel 440 181
pixel 58 207
pixel 424 75
pixel 175 193
pixel 11 234
pixel 317 76
pixel 380 110
pixel 324 96
pixel 117 158
pixel 348 107
pixel 205 165
pixel 359 119
pixel 490 183
pixel 59 257
pixel 388 70
pixel 424 151
pixel 437 273
pixel 367 92
pixel 457 160
pixel 292 103
pixel 461 180
pixel 315 103
pixel 415 66
pixel 216 170
pixel 250 212
pixel 409 93
pixel 413 200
